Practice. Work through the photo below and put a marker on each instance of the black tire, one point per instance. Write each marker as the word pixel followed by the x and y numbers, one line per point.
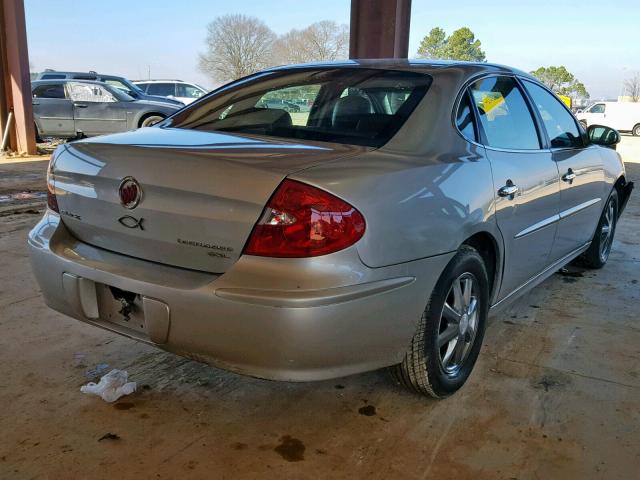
pixel 425 368
pixel 598 252
pixel 636 131
pixel 38 137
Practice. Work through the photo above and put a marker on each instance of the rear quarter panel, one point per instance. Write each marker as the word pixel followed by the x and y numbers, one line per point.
pixel 613 167
pixel 424 192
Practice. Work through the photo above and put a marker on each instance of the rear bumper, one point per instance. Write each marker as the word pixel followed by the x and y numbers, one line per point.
pixel 282 319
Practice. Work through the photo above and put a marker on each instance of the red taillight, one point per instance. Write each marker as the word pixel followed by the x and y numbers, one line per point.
pixel 52 201
pixel 304 221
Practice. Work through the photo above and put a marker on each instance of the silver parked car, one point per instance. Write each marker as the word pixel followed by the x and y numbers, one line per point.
pixel 72 108
pixel 380 228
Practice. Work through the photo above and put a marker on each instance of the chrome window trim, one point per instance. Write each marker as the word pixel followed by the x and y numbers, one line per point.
pixel 525 95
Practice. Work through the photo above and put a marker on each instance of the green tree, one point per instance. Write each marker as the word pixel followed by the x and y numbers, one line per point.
pixel 434 44
pixel 561 81
pixel 460 45
pixel 463 45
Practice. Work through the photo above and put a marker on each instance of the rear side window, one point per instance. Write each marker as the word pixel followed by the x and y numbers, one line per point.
pixel 90 92
pixel 49 91
pixel 560 126
pixel 161 89
pixel 358 106
pixel 504 114
pixel 464 118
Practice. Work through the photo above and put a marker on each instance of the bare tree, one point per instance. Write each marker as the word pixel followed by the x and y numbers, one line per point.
pixel 320 41
pixel 237 45
pixel 632 87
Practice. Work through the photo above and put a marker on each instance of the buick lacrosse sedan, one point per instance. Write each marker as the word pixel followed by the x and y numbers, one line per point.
pixel 377 227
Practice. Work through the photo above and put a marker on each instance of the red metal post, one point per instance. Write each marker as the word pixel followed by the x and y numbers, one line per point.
pixel 380 28
pixel 14 75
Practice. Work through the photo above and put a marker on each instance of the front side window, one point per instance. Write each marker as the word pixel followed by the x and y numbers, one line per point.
pixel 357 106
pixel 49 91
pixel 161 89
pixel 504 114
pixel 597 108
pixel 89 92
pixel 561 127
pixel 464 119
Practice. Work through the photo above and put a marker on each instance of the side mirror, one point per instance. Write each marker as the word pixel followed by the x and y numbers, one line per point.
pixel 604 136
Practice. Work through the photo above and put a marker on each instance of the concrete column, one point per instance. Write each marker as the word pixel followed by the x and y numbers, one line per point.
pixel 380 28
pixel 15 93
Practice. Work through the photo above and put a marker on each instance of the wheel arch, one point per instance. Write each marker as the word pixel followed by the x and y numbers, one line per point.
pixel 146 115
pixel 623 188
pixel 487 246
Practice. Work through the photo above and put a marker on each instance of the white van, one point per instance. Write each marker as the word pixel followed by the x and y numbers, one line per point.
pixel 623 116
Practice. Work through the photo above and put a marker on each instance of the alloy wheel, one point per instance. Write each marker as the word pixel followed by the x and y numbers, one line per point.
pixel 458 323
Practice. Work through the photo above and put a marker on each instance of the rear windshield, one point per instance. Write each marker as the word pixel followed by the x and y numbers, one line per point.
pixel 344 105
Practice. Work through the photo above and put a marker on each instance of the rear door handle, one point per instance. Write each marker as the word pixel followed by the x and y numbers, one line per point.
pixel 509 190
pixel 569 176
pixel 80 105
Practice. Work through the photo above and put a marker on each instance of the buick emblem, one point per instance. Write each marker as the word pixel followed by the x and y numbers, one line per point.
pixel 131 222
pixel 130 193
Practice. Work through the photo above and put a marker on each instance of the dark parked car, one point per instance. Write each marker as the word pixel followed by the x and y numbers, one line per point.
pixel 277 103
pixel 127 86
pixel 70 108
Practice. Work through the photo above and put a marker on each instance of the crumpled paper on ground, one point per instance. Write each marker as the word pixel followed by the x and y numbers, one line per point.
pixel 111 386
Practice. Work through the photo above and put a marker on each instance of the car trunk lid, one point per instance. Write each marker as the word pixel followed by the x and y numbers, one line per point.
pixel 201 192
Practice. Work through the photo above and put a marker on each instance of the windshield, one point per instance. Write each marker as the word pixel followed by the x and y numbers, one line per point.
pixel 119 94
pixel 357 106
pixel 123 85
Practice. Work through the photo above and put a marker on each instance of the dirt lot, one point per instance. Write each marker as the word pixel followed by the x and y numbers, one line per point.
pixel 556 394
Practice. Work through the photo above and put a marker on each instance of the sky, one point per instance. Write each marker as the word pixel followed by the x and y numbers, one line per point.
pixel 599 42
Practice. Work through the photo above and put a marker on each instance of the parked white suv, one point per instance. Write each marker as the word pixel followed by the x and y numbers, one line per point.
pixel 184 92
pixel 623 116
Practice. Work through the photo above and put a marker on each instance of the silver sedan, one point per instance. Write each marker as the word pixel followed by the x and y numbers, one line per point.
pixel 378 226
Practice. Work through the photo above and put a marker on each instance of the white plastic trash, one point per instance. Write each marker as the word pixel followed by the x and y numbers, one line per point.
pixel 111 386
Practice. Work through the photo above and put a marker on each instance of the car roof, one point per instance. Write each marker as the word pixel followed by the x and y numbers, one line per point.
pixel 410 64
pixel 35 83
pixel 64 72
pixel 168 80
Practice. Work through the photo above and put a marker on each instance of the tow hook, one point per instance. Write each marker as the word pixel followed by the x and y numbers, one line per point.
pixel 126 309
pixel 126 299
